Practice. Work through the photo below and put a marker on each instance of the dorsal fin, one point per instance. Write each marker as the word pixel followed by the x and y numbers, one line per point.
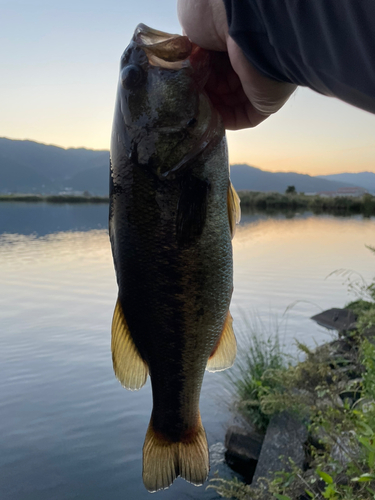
pixel 224 353
pixel 234 209
pixel 130 369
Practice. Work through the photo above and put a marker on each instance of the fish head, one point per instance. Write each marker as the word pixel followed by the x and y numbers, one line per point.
pixel 163 116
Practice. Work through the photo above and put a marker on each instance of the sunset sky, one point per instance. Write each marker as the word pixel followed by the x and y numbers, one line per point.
pixel 58 74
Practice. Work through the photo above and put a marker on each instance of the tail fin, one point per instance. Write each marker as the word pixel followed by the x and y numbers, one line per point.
pixel 164 460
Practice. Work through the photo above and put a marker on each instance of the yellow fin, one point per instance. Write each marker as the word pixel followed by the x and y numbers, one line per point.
pixel 164 460
pixel 225 351
pixel 234 209
pixel 128 365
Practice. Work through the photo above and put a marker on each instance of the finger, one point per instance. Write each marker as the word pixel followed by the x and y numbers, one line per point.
pixel 225 91
pixel 222 78
pixel 266 95
pixel 239 117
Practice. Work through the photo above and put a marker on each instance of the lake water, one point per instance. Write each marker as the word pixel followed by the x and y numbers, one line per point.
pixel 68 430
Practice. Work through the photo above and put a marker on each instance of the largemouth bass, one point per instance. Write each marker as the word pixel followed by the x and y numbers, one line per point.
pixel 172 216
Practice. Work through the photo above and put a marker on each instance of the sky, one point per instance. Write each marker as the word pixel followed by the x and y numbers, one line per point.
pixel 58 76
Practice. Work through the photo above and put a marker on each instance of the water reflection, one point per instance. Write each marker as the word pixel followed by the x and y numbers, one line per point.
pixel 46 218
pixel 67 428
pixel 281 261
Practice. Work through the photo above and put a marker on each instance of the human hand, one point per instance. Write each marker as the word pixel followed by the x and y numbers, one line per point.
pixel 242 95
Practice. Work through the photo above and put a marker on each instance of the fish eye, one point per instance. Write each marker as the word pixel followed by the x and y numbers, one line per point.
pixel 131 76
pixel 192 122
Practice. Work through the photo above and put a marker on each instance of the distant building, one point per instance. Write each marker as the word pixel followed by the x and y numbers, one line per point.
pixel 327 194
pixel 351 191
pixel 356 192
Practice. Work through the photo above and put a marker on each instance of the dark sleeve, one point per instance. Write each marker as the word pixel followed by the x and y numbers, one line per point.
pixel 327 45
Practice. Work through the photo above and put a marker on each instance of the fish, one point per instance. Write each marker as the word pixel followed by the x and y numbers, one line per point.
pixel 172 216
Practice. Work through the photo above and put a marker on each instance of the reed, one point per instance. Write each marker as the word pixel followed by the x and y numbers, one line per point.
pixel 261 352
pixel 340 205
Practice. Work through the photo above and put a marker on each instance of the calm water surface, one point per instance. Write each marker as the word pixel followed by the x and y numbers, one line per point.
pixel 68 430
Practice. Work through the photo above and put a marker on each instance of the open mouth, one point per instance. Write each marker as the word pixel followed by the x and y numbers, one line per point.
pixel 163 49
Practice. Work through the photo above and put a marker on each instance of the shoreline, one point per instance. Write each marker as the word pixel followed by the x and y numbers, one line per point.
pixel 273 202
pixel 309 426
pixel 52 198
pixel 264 202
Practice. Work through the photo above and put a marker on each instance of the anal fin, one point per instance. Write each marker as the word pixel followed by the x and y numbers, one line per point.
pixel 234 209
pixel 164 460
pixel 224 353
pixel 130 369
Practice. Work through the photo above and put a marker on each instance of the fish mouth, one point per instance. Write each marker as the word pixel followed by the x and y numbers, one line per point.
pixel 165 50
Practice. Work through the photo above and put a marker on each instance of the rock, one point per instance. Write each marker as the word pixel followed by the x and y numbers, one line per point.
pixel 345 449
pixel 243 450
pixel 284 440
pixel 336 319
pixel 338 353
pixel 244 443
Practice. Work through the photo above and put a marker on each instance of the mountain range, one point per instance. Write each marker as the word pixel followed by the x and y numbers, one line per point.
pixel 31 167
pixel 255 179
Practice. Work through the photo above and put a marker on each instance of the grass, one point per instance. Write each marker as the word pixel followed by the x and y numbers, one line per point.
pixel 340 205
pixel 341 446
pixel 333 389
pixel 270 203
pixel 262 353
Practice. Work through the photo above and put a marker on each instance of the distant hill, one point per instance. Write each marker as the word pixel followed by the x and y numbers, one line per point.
pixel 20 177
pixel 255 179
pixel 361 179
pixel 95 180
pixel 34 167
pixel 30 167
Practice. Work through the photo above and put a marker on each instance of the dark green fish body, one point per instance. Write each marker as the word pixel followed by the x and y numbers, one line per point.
pixel 171 241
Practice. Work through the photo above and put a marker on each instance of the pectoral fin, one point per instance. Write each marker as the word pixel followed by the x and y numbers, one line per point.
pixel 234 209
pixel 225 351
pixel 130 369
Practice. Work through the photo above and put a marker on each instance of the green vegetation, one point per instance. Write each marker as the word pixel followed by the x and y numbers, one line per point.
pixel 274 202
pixel 58 198
pixel 263 355
pixel 270 203
pixel 333 390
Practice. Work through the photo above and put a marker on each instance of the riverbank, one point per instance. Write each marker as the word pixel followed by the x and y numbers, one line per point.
pixel 269 203
pixel 315 418
pixel 56 198
pixel 340 205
